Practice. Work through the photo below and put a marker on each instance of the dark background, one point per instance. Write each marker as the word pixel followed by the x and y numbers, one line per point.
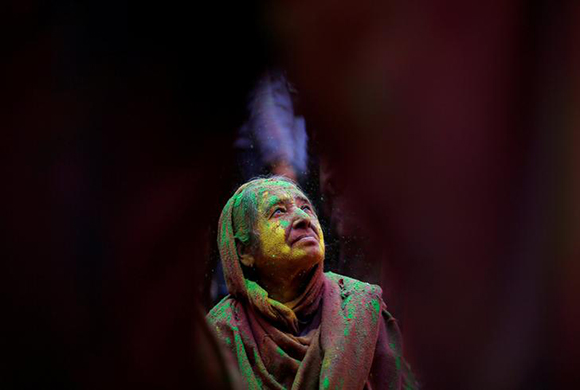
pixel 452 127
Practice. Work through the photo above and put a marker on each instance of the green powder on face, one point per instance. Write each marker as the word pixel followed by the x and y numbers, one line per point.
pixel 325 383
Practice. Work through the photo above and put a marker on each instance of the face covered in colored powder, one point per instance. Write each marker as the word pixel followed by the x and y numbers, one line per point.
pixel 290 238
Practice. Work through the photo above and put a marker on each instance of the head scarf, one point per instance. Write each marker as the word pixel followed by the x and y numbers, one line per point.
pixel 347 340
pixel 250 291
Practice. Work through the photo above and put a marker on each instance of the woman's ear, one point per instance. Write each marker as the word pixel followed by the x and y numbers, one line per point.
pixel 245 254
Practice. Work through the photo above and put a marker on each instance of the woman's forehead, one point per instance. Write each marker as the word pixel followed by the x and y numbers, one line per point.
pixel 270 195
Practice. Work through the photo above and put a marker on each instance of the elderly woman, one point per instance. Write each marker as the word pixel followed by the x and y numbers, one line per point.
pixel 289 325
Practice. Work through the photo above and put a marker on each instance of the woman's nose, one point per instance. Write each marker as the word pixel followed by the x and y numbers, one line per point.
pixel 301 219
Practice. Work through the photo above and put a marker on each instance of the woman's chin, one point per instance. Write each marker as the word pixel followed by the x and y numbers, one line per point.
pixel 312 257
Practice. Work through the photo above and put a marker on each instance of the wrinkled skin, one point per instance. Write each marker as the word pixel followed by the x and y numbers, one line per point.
pixel 290 241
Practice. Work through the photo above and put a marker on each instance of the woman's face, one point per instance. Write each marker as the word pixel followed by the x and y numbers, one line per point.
pixel 289 234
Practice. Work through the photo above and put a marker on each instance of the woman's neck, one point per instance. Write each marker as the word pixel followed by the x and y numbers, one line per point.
pixel 287 288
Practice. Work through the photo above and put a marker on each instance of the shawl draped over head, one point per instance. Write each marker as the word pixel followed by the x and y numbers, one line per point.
pixel 336 335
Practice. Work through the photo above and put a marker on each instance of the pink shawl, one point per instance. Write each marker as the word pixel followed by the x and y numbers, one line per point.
pixel 338 333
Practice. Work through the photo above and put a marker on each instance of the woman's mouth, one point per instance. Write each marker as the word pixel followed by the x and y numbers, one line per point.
pixel 305 237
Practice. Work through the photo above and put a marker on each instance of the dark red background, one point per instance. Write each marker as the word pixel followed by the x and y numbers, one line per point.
pixel 453 125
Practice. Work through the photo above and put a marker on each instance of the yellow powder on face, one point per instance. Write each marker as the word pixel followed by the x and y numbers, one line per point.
pixel 273 238
pixel 321 235
pixel 272 233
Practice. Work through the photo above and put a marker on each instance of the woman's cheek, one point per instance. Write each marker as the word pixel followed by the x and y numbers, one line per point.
pixel 273 241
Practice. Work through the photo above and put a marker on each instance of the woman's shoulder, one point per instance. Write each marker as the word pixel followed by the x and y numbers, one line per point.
pixel 350 286
pixel 223 311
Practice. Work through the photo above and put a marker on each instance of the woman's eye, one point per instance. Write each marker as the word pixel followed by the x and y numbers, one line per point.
pixel 306 207
pixel 278 211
